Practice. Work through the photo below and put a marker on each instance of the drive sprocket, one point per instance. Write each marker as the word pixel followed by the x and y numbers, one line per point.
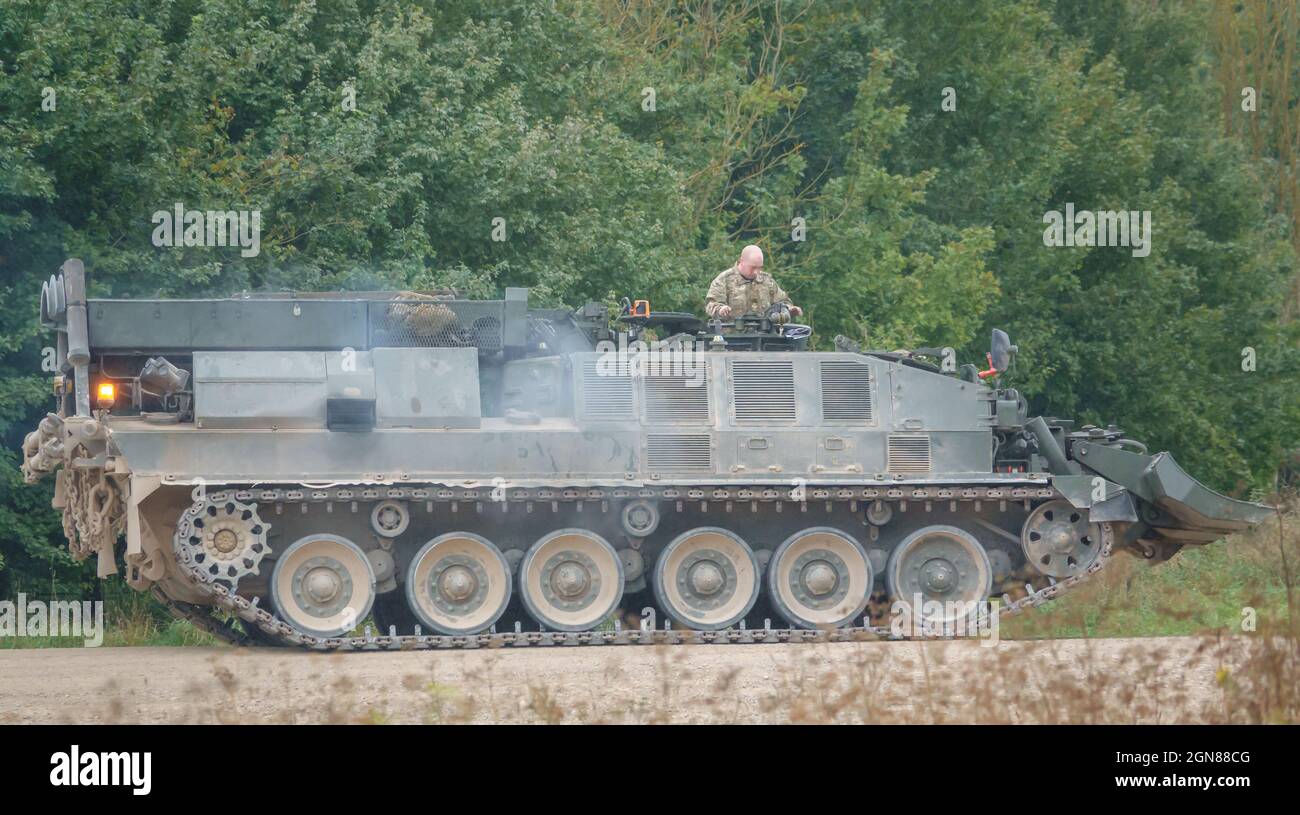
pixel 224 538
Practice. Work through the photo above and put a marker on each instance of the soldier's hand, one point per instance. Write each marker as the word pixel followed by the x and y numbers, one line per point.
pixel 723 311
pixel 795 311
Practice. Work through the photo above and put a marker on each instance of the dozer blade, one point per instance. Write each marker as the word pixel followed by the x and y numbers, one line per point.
pixel 1202 512
pixel 1195 504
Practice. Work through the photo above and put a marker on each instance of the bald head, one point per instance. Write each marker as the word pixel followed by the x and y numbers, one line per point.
pixel 751 262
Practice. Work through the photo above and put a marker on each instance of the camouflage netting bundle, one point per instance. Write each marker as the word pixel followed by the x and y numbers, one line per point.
pixel 425 318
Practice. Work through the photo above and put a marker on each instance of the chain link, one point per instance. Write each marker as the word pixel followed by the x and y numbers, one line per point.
pixel 94 512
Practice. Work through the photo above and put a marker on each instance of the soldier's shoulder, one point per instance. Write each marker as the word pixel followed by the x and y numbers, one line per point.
pixel 764 277
pixel 722 275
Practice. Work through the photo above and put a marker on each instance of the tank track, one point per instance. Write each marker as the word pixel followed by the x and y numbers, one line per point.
pixel 202 618
pixel 273 630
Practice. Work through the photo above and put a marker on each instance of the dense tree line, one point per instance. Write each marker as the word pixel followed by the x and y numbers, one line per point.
pixel 895 159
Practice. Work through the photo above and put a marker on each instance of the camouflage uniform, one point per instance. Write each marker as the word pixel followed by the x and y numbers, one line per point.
pixel 732 289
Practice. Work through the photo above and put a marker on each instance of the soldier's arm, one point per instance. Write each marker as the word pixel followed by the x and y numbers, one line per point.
pixel 779 296
pixel 717 297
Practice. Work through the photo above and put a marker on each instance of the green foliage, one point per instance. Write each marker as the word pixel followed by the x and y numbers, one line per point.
pixel 922 225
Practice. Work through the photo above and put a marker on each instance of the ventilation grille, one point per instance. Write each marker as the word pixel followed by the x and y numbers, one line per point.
pixel 670 399
pixel 763 391
pixel 909 454
pixel 846 392
pixel 429 322
pixel 607 392
pixel 678 453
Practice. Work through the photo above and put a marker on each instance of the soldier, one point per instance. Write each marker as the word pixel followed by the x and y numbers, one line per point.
pixel 745 288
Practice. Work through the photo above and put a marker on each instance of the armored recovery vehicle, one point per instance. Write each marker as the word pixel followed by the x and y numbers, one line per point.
pixel 478 473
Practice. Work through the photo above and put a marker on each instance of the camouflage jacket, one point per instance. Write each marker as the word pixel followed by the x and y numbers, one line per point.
pixel 732 289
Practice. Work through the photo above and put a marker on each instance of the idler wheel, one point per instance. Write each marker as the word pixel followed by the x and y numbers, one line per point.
pixel 1059 541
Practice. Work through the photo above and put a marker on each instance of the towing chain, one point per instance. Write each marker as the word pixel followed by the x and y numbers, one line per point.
pixel 94 512
pixel 224 600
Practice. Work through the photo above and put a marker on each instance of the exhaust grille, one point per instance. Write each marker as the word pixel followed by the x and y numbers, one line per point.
pixel 675 399
pixel 762 390
pixel 908 454
pixel 679 453
pixel 846 392
pixel 607 392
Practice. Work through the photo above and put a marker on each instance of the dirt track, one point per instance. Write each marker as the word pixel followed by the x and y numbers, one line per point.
pixel 1161 679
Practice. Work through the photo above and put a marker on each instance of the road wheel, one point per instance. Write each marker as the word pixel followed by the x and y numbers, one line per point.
pixel 820 578
pixel 323 585
pixel 707 579
pixel 571 580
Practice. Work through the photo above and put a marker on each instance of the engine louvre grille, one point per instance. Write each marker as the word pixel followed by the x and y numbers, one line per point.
pixel 607 392
pixel 846 392
pixel 679 453
pixel 908 453
pixel 763 390
pixel 675 399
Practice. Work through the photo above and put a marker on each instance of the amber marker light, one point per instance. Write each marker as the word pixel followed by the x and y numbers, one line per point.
pixel 107 395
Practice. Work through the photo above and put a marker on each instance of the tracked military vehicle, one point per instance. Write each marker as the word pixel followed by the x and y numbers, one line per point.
pixel 286 467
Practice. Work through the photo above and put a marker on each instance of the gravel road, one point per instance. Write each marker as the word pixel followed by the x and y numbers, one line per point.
pixel 1174 679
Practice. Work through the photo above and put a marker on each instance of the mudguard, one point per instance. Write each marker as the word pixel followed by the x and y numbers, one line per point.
pixel 1105 500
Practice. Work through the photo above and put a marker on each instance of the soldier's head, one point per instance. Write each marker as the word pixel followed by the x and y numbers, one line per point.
pixel 751 262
